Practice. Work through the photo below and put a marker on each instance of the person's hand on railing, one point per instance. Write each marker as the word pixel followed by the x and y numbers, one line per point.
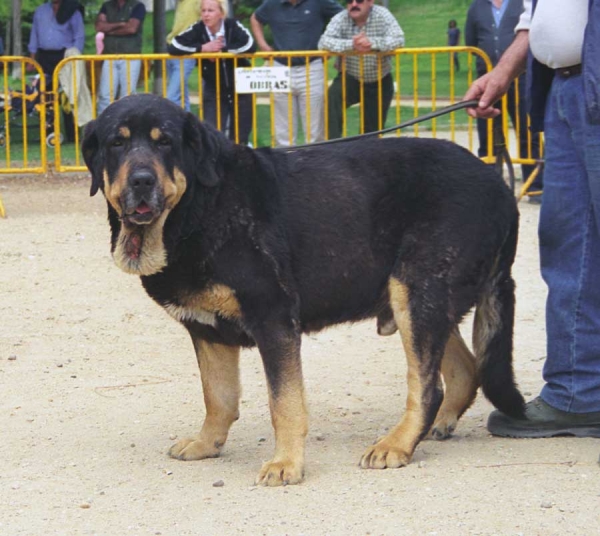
pixel 361 43
pixel 265 47
pixel 30 67
pixel 216 45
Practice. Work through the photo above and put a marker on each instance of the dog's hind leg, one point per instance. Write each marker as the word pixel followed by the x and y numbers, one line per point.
pixel 424 347
pixel 280 352
pixel 219 371
pixel 459 371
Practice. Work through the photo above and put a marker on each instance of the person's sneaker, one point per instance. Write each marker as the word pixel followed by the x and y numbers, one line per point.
pixel 542 420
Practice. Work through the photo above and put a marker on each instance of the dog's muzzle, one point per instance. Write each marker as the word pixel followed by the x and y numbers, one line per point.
pixel 143 201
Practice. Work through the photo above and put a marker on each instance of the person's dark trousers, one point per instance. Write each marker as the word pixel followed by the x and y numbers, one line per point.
pixel 228 114
pixel 524 133
pixel 456 61
pixel 369 108
pixel 48 60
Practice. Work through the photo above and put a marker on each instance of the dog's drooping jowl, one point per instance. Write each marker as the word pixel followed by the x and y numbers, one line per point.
pixel 252 247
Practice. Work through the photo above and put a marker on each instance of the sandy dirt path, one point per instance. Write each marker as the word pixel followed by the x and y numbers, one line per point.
pixel 97 382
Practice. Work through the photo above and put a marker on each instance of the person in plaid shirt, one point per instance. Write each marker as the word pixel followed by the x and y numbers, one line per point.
pixel 363 28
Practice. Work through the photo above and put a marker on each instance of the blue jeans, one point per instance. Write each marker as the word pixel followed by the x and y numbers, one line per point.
pixel 121 86
pixel 174 81
pixel 569 232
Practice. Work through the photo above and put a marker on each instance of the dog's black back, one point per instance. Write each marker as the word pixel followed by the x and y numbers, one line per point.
pixel 375 204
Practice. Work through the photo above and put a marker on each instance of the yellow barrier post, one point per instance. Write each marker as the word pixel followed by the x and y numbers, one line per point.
pixel 22 117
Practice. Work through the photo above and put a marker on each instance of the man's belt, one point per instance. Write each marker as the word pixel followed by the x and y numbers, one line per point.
pixel 568 72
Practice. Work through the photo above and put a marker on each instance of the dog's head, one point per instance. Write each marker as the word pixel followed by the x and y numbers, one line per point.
pixel 144 153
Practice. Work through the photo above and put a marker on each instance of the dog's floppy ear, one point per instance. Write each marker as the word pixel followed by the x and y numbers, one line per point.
pixel 91 149
pixel 201 151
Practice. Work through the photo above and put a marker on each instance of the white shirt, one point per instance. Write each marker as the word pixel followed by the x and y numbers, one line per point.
pixel 556 31
pixel 220 33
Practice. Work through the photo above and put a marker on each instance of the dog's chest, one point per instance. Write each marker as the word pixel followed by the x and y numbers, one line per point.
pixel 205 305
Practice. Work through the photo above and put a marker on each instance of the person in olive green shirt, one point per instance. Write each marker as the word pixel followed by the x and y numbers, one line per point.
pixel 121 22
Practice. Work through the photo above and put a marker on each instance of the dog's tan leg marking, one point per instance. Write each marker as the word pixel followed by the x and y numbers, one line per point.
pixel 460 376
pixel 396 448
pixel 220 373
pixel 290 422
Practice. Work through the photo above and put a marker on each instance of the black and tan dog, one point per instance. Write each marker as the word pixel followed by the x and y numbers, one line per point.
pixel 254 247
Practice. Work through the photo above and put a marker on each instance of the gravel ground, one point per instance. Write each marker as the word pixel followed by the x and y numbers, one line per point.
pixel 97 382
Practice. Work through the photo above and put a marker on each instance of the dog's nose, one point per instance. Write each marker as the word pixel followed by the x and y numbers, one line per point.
pixel 142 181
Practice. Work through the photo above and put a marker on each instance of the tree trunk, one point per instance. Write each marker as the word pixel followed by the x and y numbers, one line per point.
pixel 17 36
pixel 160 45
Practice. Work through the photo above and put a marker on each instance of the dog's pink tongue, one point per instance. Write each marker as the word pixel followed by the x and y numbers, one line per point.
pixel 143 209
pixel 133 246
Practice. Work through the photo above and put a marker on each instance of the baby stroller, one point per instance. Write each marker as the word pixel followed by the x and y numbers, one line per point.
pixel 24 111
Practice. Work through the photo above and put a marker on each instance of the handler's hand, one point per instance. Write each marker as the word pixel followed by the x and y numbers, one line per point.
pixel 487 89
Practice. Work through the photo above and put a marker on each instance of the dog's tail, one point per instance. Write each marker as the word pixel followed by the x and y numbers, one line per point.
pixel 493 333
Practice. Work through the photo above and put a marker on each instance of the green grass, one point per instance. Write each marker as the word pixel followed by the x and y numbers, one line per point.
pixel 425 22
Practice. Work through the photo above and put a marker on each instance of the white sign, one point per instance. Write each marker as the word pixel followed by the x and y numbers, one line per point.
pixel 262 80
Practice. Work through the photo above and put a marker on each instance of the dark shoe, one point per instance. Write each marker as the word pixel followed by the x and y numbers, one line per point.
pixel 535 199
pixel 542 420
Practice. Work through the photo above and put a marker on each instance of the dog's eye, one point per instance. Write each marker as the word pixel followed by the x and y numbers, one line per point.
pixel 117 142
pixel 164 142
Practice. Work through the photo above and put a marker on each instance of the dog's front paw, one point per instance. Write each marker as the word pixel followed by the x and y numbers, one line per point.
pixel 280 473
pixel 194 449
pixel 382 455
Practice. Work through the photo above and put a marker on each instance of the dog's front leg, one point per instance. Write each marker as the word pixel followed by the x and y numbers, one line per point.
pixel 280 352
pixel 219 370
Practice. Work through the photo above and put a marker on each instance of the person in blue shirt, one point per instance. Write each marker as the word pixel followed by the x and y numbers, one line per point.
pixel 50 38
pixel 296 25
pixel 560 44
pixel 57 26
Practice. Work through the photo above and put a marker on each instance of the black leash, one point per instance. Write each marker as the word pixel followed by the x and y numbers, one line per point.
pixel 431 115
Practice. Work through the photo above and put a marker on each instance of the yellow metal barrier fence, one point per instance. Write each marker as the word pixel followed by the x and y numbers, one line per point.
pixel 23 116
pixel 424 79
